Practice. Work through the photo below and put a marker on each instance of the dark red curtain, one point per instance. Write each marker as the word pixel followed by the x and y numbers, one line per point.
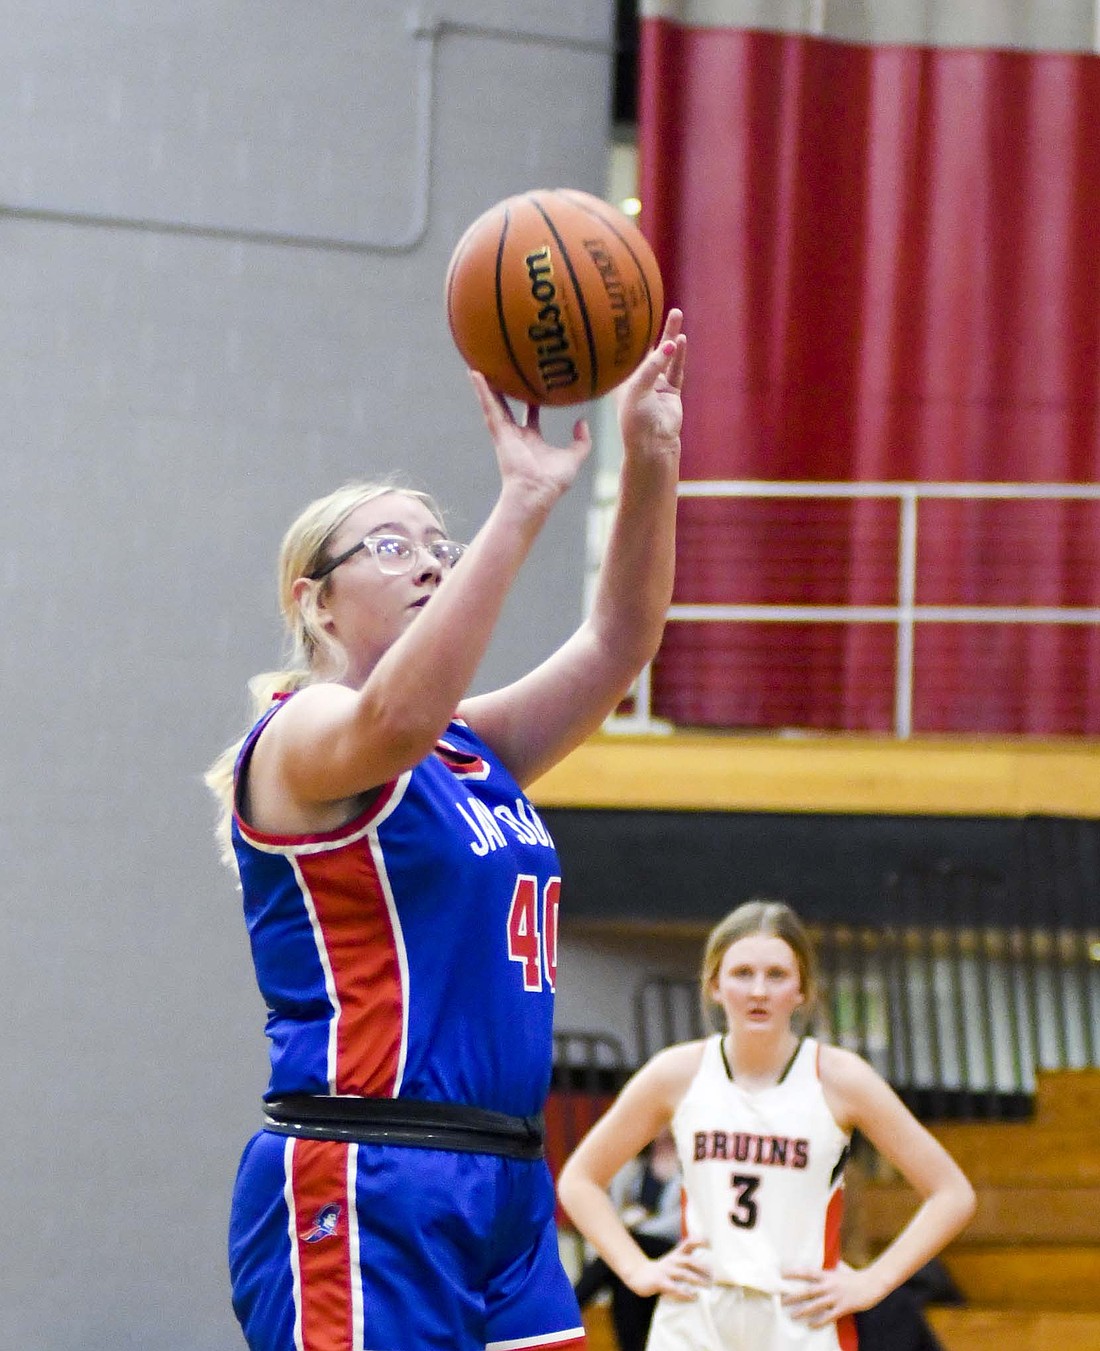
pixel 889 260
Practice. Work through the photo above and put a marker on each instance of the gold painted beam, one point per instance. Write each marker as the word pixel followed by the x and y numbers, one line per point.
pixel 933 776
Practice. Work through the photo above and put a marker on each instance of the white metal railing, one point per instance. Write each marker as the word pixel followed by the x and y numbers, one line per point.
pixel 904 615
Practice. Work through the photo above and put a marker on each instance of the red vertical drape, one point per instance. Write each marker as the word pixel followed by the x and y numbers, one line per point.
pixel 889 260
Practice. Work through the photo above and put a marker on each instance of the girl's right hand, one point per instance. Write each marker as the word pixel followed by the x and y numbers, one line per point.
pixel 681 1273
pixel 524 455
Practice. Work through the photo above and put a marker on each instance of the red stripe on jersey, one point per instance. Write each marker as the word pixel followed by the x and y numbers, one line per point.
pixel 265 839
pixel 319 1181
pixel 461 763
pixel 357 932
pixel 847 1334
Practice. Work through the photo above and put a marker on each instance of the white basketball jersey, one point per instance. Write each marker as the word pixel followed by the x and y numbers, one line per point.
pixel 763 1170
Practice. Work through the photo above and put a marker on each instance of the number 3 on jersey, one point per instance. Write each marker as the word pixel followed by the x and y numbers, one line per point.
pixel 745 1185
pixel 533 937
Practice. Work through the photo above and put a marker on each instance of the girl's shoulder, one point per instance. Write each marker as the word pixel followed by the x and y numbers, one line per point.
pixel 676 1066
pixel 841 1067
pixel 852 1087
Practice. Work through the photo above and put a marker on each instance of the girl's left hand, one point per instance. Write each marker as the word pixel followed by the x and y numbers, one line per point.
pixel 824 1296
pixel 650 408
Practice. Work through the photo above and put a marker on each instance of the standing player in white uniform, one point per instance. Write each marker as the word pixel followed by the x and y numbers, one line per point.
pixel 762 1119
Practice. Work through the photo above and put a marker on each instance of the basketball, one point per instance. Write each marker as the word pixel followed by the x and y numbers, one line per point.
pixel 554 296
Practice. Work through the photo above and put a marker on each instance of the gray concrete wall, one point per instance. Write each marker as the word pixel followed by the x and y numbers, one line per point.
pixel 224 229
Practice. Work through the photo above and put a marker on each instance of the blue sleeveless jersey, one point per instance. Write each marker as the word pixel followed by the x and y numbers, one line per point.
pixel 412 952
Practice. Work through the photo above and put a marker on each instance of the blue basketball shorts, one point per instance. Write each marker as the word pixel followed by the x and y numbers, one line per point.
pixel 379 1247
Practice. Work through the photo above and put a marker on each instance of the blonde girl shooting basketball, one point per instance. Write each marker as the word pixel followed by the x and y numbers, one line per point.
pixel 762 1118
pixel 401 899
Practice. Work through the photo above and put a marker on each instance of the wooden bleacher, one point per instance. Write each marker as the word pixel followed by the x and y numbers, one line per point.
pixel 1028 1265
pixel 597 1325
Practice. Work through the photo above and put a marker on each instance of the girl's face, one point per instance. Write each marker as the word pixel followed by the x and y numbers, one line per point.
pixel 366 608
pixel 758 985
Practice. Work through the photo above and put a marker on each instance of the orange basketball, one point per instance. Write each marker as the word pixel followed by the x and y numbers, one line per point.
pixel 554 296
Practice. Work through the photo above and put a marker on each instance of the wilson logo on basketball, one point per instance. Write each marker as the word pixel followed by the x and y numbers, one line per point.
pixel 555 361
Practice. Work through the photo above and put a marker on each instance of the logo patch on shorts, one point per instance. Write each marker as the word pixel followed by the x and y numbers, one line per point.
pixel 324 1224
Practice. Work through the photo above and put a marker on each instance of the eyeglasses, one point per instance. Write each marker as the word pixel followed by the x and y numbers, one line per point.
pixel 395 554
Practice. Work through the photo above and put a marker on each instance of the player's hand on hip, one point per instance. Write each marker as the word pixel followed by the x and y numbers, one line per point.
pixel 680 1273
pixel 819 1297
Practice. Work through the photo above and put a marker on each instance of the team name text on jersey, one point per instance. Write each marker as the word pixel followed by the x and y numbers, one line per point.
pixel 522 821
pixel 776 1151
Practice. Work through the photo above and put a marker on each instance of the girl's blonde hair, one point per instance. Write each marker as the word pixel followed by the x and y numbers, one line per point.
pixel 310 648
pixel 774 919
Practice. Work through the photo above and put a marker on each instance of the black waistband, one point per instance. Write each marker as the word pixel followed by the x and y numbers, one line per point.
pixel 406 1121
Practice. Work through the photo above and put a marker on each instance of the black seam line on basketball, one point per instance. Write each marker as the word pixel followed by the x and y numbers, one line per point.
pixel 502 322
pixel 626 245
pixel 592 358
